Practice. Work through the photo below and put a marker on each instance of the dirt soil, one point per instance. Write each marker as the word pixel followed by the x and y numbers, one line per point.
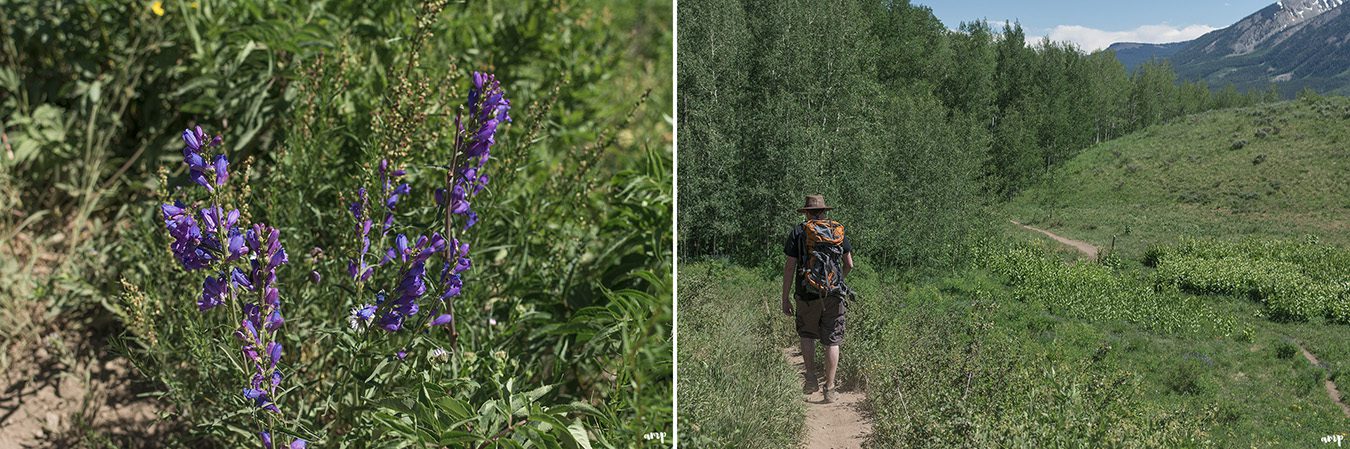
pixel 58 391
pixel 837 425
pixel 1086 248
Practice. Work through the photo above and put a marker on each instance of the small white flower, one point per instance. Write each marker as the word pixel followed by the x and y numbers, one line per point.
pixel 440 354
pixel 356 320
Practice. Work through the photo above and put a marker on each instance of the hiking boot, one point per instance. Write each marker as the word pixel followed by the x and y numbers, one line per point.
pixel 829 395
pixel 811 385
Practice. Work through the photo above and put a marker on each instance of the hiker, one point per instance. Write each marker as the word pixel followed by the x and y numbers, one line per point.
pixel 819 257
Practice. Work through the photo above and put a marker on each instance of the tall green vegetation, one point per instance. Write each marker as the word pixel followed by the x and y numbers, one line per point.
pixel 903 124
pixel 570 309
pixel 735 390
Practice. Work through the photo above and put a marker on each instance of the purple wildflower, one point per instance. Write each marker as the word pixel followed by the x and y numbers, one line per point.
pixel 246 259
pixel 262 318
pixel 476 132
pixel 213 292
pixel 442 320
pixel 190 246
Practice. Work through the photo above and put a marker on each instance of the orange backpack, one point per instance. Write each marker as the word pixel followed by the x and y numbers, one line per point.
pixel 822 267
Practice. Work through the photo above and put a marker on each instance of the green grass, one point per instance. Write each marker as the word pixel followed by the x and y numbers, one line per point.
pixel 736 389
pixel 974 359
pixel 1274 170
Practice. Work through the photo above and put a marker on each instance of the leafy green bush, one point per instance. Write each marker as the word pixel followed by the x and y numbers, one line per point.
pixel 1319 261
pixel 1096 293
pixel 1296 281
pixel 1285 350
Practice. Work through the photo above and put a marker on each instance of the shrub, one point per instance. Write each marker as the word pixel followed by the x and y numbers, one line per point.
pixel 1285 350
pixel 1186 377
pixel 1095 293
pixel 1296 281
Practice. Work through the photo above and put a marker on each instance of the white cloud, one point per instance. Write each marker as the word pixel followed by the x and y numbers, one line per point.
pixel 1091 39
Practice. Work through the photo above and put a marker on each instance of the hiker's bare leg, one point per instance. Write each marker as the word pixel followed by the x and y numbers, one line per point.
pixel 831 362
pixel 809 355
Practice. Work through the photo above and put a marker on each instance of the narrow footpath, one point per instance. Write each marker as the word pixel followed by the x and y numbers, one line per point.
pixel 1332 391
pixel 1084 247
pixel 837 425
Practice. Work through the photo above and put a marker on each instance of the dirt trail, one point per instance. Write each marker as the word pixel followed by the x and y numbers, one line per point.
pixel 1081 246
pixel 1332 391
pixel 837 425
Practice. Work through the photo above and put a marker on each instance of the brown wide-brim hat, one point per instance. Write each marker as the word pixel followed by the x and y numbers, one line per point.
pixel 814 202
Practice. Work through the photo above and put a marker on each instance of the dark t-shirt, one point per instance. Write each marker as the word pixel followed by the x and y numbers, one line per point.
pixel 794 246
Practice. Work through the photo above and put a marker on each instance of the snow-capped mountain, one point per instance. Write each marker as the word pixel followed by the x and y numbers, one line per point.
pixel 1291 43
pixel 1252 31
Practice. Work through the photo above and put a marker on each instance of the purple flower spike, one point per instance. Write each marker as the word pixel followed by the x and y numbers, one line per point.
pixel 477 130
pixel 299 444
pixel 245 256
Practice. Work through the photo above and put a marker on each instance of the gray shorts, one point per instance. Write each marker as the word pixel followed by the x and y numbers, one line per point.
pixel 821 319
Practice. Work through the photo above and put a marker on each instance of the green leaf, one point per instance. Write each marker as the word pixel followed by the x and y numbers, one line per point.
pixel 578 434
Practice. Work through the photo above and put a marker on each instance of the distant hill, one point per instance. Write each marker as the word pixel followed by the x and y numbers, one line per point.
pixel 1134 54
pixel 1274 170
pixel 1293 44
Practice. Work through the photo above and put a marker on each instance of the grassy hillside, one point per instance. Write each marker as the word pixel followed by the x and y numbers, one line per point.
pixel 1276 170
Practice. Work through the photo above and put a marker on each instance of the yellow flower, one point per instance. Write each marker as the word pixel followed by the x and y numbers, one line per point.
pixel 195 5
pixel 157 8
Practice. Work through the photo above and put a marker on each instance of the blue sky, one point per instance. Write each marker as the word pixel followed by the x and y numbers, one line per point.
pixel 1095 24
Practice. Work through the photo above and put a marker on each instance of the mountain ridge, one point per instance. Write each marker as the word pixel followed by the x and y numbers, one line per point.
pixel 1293 44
